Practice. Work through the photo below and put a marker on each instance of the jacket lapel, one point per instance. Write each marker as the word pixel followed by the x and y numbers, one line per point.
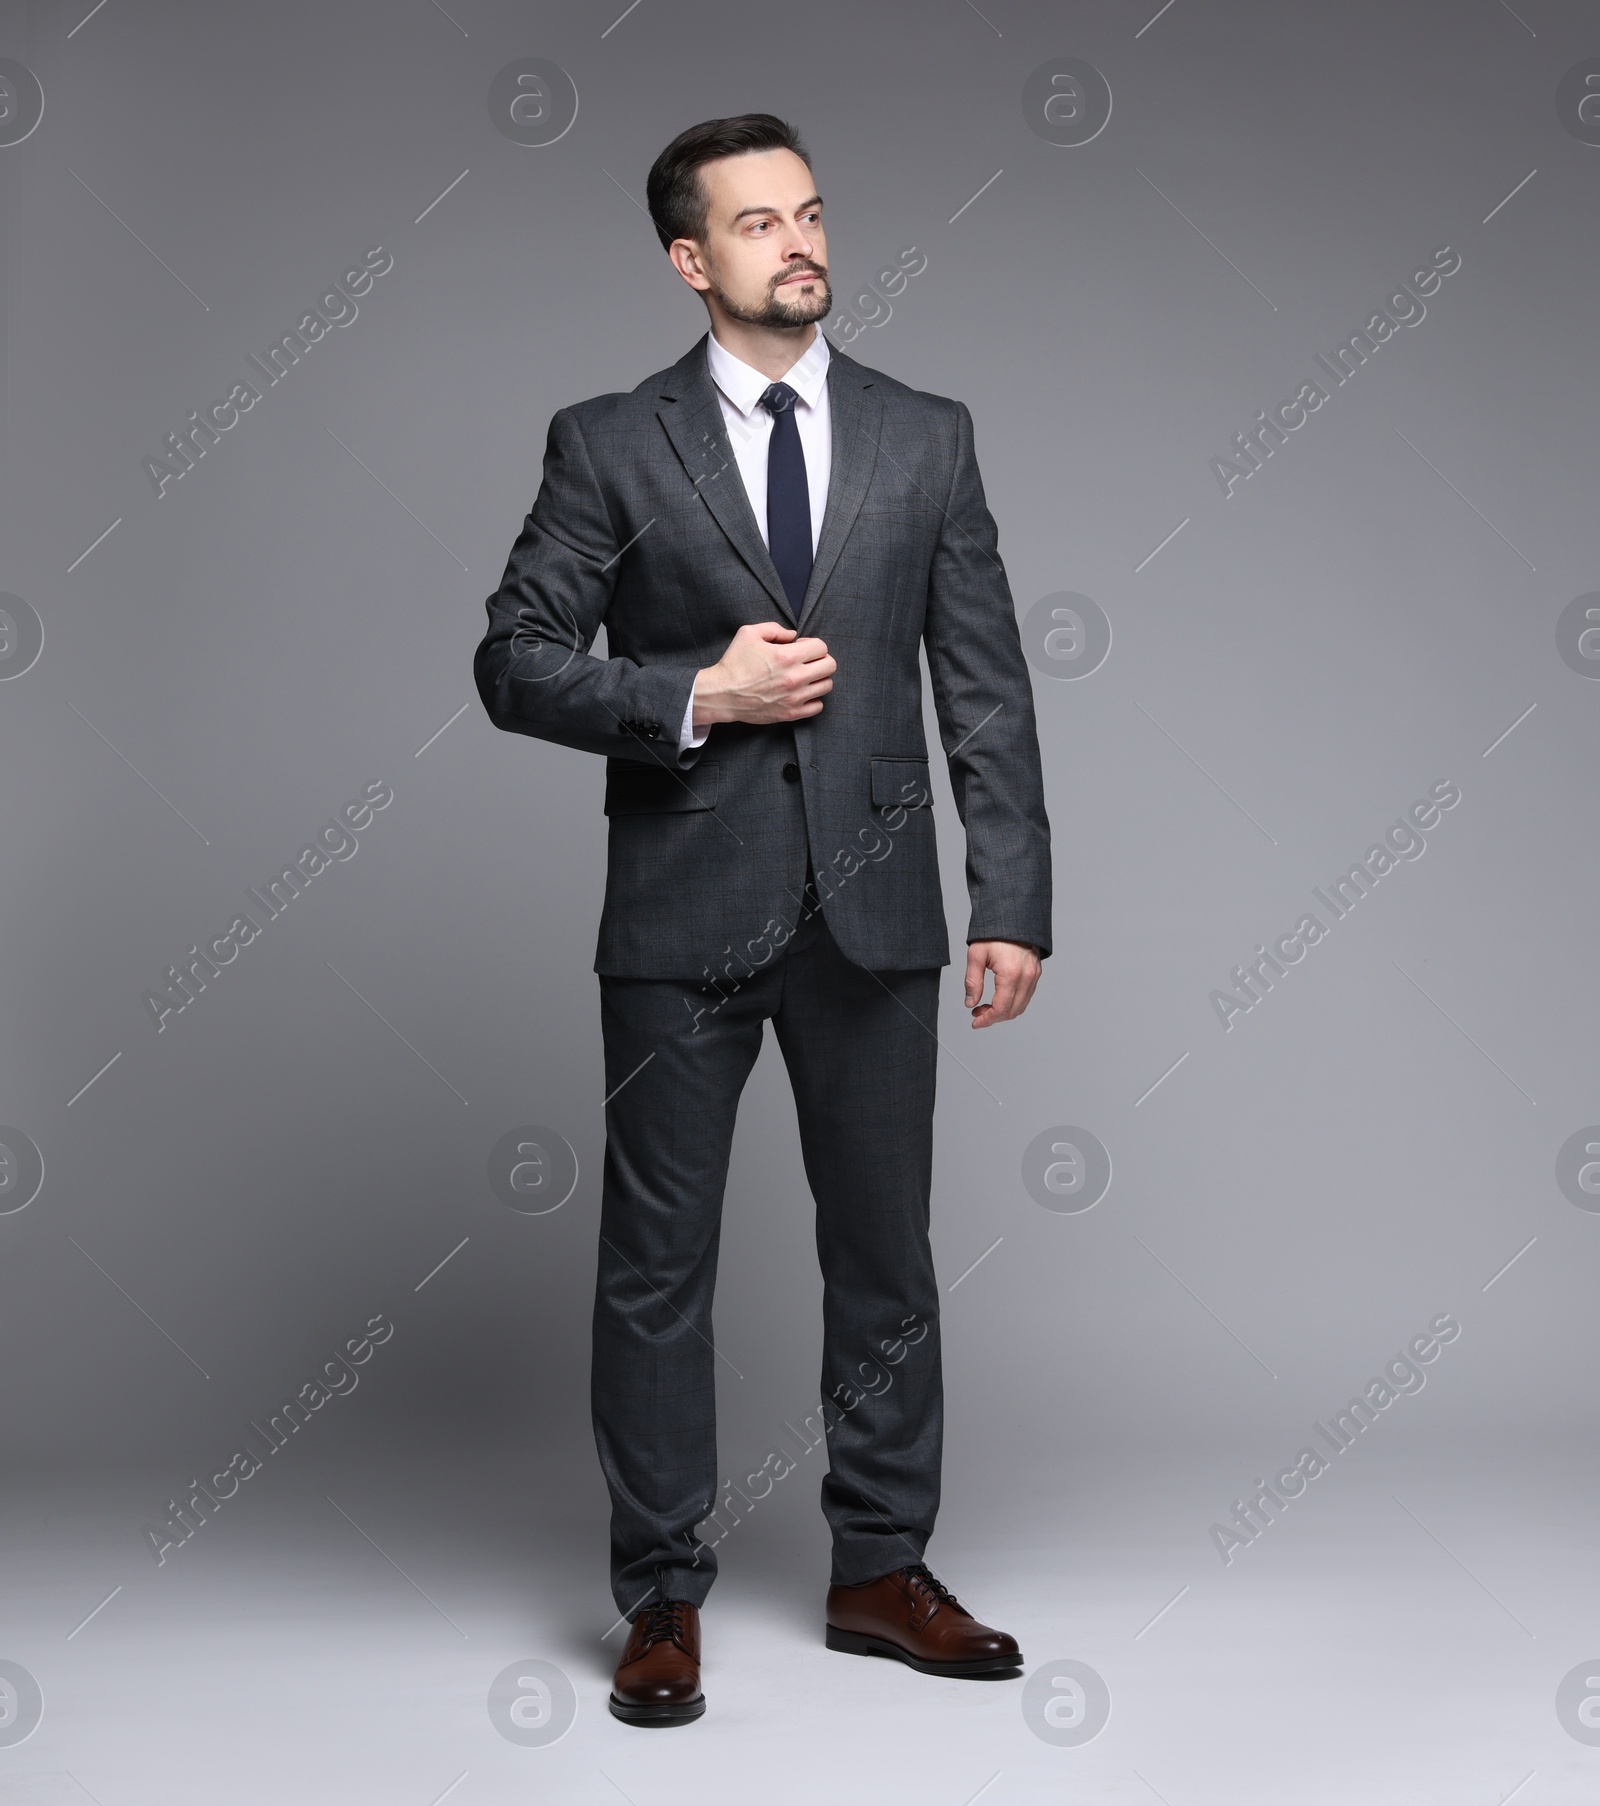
pixel 692 418
pixel 856 415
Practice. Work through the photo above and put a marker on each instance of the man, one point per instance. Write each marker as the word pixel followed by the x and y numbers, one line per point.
pixel 769 531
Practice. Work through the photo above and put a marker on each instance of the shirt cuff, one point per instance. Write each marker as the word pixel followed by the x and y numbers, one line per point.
pixel 687 737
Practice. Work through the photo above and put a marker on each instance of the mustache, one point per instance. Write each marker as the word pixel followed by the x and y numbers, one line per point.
pixel 800 269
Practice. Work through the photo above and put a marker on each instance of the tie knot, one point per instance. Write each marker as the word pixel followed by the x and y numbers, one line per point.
pixel 778 398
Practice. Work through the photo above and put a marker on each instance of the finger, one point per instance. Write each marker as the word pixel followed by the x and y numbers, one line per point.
pixel 1013 993
pixel 1024 996
pixel 977 965
pixel 796 658
pixel 772 630
pixel 1025 992
pixel 1005 994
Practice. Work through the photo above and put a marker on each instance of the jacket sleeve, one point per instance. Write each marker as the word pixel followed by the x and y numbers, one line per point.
pixel 984 699
pixel 534 670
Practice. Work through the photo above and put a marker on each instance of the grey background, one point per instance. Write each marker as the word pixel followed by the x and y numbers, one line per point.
pixel 1367 615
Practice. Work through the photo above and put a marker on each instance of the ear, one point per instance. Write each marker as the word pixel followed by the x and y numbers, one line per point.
pixel 685 255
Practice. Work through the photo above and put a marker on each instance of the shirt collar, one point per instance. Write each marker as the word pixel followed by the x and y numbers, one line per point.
pixel 745 386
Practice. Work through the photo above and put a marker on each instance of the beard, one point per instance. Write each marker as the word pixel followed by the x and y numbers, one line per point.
pixel 778 309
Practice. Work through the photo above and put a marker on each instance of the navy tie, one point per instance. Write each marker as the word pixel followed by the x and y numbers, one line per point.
pixel 788 498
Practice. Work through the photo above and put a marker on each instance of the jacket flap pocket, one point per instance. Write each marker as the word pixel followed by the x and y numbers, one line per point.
pixel 900 783
pixel 633 789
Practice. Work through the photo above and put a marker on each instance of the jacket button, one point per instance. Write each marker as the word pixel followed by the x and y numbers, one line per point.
pixel 791 773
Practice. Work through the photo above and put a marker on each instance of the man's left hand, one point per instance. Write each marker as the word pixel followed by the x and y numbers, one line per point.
pixel 1016 969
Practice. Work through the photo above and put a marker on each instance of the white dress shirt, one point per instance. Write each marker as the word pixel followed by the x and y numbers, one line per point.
pixel 739 390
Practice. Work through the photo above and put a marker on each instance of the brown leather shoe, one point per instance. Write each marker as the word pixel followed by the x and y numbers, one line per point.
pixel 658 1679
pixel 915 1619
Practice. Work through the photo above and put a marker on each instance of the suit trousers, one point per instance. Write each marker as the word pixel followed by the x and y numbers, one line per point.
pixel 861 1056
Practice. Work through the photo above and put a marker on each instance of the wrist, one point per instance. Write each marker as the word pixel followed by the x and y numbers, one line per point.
pixel 708 708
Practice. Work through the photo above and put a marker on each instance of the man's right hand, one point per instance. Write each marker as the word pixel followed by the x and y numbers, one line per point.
pixel 768 674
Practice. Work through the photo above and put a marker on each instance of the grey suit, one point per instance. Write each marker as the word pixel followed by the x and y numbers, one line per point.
pixel 783 873
pixel 642 523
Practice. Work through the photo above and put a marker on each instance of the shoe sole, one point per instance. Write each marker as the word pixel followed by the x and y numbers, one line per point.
pixel 659 1716
pixel 850 1642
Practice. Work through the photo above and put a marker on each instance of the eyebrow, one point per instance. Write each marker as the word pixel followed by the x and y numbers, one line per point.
pixel 746 212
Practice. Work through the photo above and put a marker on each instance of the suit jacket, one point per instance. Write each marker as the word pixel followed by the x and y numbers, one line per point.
pixel 642 523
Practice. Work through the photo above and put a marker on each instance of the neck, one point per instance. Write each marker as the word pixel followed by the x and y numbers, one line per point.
pixel 773 350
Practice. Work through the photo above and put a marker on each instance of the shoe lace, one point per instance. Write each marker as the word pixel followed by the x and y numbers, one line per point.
pixel 662 1621
pixel 920 1576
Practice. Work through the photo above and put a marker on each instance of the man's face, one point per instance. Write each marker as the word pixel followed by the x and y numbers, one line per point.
pixel 764 257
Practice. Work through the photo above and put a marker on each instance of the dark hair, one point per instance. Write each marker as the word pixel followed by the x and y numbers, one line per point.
pixel 677 196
